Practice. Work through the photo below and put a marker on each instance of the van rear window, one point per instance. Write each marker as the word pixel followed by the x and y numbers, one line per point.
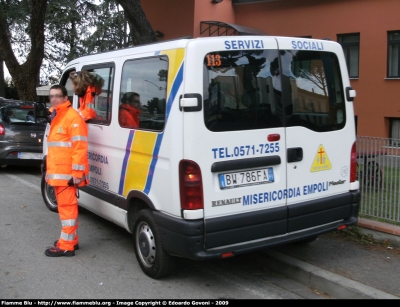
pixel 314 81
pixel 239 90
pixel 258 89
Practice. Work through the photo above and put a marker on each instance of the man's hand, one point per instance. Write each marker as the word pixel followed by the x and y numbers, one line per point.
pixel 77 180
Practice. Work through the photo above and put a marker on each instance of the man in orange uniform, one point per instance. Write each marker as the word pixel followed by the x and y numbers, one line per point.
pixel 67 166
pixel 129 110
pixel 86 104
pixel 86 85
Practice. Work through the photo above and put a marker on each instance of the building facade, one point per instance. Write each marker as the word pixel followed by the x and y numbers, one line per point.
pixel 368 30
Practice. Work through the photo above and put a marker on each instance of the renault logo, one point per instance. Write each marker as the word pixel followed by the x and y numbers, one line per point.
pixel 33 135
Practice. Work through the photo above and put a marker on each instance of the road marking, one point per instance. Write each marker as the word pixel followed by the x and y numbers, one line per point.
pixel 23 181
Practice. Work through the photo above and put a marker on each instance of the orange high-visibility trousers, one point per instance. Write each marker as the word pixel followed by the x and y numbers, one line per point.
pixel 68 211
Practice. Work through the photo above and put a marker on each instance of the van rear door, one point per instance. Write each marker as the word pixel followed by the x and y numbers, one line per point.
pixel 320 131
pixel 234 132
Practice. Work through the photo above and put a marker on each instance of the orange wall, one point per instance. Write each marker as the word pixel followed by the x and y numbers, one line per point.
pixel 377 98
pixel 174 18
pixel 178 18
pixel 205 10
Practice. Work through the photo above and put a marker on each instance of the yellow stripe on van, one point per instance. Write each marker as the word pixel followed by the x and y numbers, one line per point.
pixel 175 58
pixel 143 151
pixel 139 160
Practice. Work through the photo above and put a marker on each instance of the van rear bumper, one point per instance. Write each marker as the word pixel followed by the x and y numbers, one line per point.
pixel 188 239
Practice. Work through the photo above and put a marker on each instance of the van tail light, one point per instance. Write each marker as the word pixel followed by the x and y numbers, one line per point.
pixel 353 163
pixel 191 185
pixel 2 130
pixel 227 255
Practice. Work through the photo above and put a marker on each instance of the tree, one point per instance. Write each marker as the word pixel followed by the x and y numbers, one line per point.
pixel 162 75
pixel 68 24
pixel 10 90
pixel 2 83
pixel 316 74
pixel 156 105
pixel 25 76
pixel 141 31
pixel 111 29
pixel 48 33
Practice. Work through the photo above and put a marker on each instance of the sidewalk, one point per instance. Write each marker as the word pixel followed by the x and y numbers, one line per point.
pixel 343 267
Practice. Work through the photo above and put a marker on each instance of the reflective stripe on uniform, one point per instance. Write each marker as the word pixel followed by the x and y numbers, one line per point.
pixel 68 222
pixel 80 113
pixel 78 167
pixel 59 144
pixel 66 236
pixel 59 176
pixel 79 138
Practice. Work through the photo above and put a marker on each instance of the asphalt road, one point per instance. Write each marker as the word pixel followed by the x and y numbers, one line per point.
pixel 105 267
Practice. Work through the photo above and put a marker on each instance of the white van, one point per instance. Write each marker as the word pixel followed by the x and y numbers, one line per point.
pixel 244 143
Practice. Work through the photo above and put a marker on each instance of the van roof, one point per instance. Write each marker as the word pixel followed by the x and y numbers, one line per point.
pixel 151 47
pixel 154 47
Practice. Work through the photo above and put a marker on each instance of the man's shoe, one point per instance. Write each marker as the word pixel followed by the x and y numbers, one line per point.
pixel 58 252
pixel 76 247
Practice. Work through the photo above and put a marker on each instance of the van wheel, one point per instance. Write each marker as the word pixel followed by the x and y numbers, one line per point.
pixel 306 241
pixel 49 195
pixel 152 258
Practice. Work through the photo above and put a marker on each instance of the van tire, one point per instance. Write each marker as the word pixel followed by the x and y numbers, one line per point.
pixel 49 196
pixel 306 241
pixel 153 259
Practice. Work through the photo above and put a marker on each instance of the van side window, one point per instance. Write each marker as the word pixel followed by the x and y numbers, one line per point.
pixel 103 101
pixel 143 94
pixel 317 98
pixel 240 90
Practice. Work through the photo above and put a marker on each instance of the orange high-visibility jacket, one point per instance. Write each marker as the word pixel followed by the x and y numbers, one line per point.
pixel 129 116
pixel 86 103
pixel 67 153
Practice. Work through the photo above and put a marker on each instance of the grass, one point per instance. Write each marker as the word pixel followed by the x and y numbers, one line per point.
pixel 380 193
pixel 354 233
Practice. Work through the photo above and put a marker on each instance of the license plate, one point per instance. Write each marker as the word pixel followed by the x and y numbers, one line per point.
pixel 30 155
pixel 246 178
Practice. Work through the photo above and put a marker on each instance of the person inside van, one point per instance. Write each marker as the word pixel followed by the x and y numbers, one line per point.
pixel 87 86
pixel 129 110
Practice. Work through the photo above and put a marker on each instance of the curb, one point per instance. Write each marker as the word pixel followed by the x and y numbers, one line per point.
pixel 312 276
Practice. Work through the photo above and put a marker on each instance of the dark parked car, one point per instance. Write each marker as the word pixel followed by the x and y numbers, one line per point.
pixel 21 133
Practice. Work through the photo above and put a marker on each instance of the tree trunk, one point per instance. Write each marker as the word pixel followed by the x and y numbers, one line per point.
pixel 72 42
pixel 2 83
pixel 125 32
pixel 141 30
pixel 25 75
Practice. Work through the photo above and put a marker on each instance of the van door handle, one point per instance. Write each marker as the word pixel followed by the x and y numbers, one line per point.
pixel 189 103
pixel 294 154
